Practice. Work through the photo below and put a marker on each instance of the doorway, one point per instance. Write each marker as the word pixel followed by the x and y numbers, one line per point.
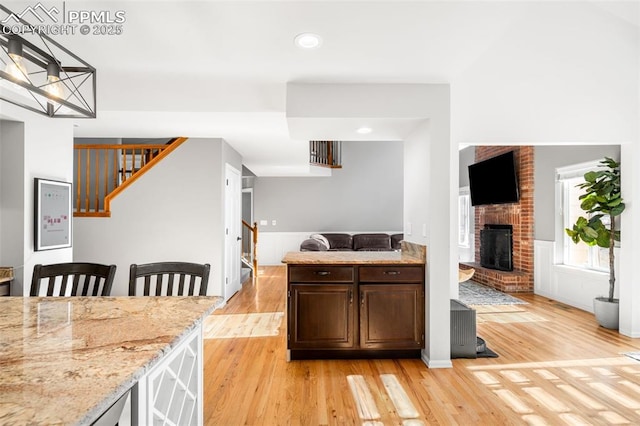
pixel 233 231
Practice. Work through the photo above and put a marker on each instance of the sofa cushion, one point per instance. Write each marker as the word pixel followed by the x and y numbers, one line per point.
pixel 371 242
pixel 396 239
pixel 338 241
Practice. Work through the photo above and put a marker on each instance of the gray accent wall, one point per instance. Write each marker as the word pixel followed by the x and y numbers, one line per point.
pixel 365 195
pixel 547 160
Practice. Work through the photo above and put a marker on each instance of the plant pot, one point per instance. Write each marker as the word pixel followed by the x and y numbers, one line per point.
pixel 607 313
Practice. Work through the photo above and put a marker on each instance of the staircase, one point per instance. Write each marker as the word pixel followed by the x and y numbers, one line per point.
pixel 104 171
pixel 249 250
pixel 326 154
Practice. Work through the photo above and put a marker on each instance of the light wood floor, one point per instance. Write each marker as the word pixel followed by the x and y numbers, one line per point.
pixel 556 366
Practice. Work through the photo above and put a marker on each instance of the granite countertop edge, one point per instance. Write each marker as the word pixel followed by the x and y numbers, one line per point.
pixel 106 403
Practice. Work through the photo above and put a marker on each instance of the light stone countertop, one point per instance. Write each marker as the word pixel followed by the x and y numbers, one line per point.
pixel 351 258
pixel 65 360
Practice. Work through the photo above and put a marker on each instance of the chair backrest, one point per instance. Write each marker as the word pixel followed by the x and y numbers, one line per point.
pixel 85 279
pixel 182 279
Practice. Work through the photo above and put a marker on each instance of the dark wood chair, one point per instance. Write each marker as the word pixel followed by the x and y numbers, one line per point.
pixel 88 279
pixel 177 274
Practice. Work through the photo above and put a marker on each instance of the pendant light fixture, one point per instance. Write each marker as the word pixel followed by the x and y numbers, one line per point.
pixel 15 66
pixel 39 74
pixel 54 86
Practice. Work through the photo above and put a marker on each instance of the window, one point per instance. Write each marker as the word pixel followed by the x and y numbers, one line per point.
pixel 578 255
pixel 464 210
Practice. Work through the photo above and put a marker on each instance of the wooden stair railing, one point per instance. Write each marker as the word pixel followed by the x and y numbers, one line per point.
pixel 104 171
pixel 326 154
pixel 250 246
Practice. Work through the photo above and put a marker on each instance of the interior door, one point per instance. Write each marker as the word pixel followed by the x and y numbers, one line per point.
pixel 233 230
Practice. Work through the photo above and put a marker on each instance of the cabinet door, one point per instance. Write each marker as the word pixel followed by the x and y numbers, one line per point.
pixel 321 316
pixel 171 393
pixel 391 316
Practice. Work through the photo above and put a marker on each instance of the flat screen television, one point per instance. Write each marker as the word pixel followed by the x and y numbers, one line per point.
pixel 494 181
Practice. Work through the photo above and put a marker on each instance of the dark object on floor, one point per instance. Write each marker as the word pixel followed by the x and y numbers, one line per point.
pixel 482 351
pixel 463 330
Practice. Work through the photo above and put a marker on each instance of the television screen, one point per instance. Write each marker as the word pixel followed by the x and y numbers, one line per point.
pixel 494 181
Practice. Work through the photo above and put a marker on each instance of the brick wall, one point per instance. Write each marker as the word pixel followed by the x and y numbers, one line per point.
pixel 519 215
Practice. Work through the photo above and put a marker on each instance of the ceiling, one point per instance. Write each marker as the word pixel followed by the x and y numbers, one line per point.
pixel 220 69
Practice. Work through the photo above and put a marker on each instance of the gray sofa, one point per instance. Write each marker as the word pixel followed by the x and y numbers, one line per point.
pixel 352 242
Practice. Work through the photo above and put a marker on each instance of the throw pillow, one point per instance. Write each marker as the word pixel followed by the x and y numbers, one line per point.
pixel 322 239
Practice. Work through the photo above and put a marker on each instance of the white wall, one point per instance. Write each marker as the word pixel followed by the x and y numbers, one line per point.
pixel 175 211
pixel 431 179
pixel 628 281
pixel 32 146
pixel 564 74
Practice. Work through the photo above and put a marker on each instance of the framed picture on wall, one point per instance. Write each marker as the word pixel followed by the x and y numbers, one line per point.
pixel 52 213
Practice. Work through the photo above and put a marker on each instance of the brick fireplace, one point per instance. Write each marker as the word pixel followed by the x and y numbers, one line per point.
pixel 518 215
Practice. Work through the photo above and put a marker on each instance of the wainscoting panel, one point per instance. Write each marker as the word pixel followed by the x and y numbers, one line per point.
pixel 272 246
pixel 574 286
pixel 542 270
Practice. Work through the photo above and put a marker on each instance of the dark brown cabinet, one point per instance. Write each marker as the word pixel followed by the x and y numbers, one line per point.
pixel 391 316
pixel 321 316
pixel 355 311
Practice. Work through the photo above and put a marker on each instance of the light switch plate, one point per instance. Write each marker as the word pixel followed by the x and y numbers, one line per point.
pixel 264 223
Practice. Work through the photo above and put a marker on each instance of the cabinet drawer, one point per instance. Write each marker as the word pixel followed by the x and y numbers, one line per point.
pixel 391 273
pixel 320 274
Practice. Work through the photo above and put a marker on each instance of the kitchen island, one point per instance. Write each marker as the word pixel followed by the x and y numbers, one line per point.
pixel 355 304
pixel 68 360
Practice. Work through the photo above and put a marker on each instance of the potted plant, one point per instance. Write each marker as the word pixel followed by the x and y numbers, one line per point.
pixel 602 199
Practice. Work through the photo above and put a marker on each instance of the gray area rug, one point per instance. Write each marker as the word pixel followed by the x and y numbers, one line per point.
pixel 472 293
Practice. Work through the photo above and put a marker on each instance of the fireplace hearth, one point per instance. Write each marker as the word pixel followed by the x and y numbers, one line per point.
pixel 496 247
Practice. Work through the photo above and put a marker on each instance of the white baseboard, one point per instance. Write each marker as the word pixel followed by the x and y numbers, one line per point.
pixel 444 363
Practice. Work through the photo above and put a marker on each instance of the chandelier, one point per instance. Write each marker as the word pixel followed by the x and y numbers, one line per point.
pixel 39 74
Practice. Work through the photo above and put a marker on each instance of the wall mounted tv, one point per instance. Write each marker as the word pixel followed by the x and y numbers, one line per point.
pixel 494 181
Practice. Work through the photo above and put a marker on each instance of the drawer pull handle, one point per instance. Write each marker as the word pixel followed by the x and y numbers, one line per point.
pixel 323 273
pixel 392 272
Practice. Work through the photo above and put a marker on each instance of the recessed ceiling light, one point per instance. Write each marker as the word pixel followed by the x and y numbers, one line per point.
pixel 364 130
pixel 308 41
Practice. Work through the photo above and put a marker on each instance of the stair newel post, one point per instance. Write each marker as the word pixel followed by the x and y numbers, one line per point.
pixel 255 247
pixel 78 182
